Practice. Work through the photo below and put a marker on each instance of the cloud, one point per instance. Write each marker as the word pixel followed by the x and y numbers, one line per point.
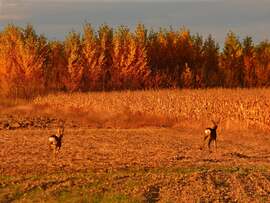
pixel 10 3
pixel 11 10
pixel 10 17
pixel 111 1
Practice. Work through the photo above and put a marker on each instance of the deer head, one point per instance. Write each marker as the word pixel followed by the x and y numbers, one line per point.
pixel 216 123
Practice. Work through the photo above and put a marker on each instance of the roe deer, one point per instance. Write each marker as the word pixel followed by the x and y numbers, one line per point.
pixel 211 135
pixel 55 141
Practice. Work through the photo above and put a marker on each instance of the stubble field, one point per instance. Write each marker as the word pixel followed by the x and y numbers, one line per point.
pixel 137 147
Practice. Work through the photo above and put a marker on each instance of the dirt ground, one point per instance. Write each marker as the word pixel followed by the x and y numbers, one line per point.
pixel 26 151
pixel 146 164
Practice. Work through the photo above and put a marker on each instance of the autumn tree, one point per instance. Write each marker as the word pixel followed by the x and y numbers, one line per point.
pixel 232 61
pixel 156 52
pixel 197 62
pixel 104 63
pixel 263 63
pixel 137 62
pixel 75 62
pixel 130 68
pixel 10 37
pixel 249 62
pixel 184 58
pixel 93 70
pixel 186 77
pixel 56 68
pixel 25 54
pixel 120 59
pixel 119 52
pixel 210 66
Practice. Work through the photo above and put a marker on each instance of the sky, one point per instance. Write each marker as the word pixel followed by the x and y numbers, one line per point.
pixel 55 18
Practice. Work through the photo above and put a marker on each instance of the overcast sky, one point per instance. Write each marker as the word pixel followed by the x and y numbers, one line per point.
pixel 55 18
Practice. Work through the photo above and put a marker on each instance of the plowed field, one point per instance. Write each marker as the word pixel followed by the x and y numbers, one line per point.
pixel 134 165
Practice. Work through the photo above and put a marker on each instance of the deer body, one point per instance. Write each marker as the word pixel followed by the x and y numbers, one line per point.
pixel 211 135
pixel 55 141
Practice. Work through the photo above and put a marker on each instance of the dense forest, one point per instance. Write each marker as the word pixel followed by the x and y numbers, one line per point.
pixel 117 59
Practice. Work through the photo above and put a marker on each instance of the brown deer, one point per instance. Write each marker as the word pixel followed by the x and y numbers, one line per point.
pixel 211 135
pixel 55 141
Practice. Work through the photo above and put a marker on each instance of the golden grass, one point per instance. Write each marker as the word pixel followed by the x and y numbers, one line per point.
pixel 245 107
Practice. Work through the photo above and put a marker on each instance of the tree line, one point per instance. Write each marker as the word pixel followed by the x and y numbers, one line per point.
pixel 109 59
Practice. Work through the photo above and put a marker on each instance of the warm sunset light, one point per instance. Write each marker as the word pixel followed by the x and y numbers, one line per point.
pixel 134 101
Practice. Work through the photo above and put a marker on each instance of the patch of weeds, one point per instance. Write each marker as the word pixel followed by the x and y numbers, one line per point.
pixel 220 183
pixel 61 195
pixel 5 178
pixel 5 198
pixel 261 168
pixel 10 192
pixel 34 194
pixel 5 181
pixel 243 172
pixel 85 199
pixel 36 177
pixel 239 170
pixel 263 199
pixel 191 170
pixel 16 194
pixel 227 169
pixel 111 198
pixel 203 200
pixel 66 196
pixel 131 184
pixel 117 198
pixel 96 198
pixel 169 201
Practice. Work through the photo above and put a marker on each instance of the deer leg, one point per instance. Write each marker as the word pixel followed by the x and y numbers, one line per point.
pixel 51 149
pixel 58 150
pixel 205 138
pixel 209 144
pixel 54 152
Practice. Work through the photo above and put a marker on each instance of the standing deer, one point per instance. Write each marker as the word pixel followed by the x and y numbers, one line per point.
pixel 55 141
pixel 211 135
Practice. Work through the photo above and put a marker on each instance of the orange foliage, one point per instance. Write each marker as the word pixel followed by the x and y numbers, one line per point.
pixel 109 59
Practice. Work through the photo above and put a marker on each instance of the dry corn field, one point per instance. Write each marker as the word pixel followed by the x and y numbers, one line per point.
pixel 142 146
pixel 174 107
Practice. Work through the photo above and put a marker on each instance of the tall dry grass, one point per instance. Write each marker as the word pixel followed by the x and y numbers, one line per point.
pixel 235 107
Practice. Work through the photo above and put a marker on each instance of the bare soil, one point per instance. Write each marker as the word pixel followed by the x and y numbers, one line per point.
pixel 133 165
